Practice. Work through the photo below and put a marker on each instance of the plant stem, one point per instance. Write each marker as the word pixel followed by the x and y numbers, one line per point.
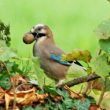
pixel 102 92
pixel 14 91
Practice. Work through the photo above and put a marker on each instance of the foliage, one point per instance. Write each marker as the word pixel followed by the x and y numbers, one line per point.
pixel 63 100
pixel 4 33
pixel 77 55
pixel 10 63
pixel 101 66
pixel 14 69
pixel 103 32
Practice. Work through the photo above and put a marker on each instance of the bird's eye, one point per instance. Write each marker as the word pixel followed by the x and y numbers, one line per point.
pixel 39 28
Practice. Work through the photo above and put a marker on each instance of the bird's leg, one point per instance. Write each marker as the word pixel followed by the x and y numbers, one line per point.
pixel 60 82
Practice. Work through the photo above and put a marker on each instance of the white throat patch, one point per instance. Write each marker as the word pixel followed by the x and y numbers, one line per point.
pixel 40 40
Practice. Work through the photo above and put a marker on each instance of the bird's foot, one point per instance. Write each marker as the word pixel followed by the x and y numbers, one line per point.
pixel 60 82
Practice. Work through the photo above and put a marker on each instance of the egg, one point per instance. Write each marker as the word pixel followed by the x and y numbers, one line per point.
pixel 28 38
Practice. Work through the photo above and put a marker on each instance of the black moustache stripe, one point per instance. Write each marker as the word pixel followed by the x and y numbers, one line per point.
pixel 34 34
pixel 38 35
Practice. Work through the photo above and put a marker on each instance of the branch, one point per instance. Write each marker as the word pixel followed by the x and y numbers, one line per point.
pixel 83 79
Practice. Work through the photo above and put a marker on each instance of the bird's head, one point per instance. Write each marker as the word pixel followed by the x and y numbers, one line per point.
pixel 38 31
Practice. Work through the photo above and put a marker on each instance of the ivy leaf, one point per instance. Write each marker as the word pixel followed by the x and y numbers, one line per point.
pixel 100 66
pixel 82 105
pixel 105 45
pixel 50 89
pixel 5 81
pixel 103 30
pixel 68 103
pixel 63 93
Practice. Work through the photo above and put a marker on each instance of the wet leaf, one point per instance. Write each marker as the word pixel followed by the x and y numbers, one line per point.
pixel 103 30
pixel 105 45
pixel 100 66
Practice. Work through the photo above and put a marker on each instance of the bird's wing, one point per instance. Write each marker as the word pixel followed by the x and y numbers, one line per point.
pixel 58 59
pixel 56 54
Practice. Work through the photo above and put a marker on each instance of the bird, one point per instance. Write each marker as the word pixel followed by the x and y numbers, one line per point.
pixel 49 53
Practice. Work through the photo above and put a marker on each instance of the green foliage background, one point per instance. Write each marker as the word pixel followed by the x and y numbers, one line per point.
pixel 73 21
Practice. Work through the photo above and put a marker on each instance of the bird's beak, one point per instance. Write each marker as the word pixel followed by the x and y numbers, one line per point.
pixel 39 34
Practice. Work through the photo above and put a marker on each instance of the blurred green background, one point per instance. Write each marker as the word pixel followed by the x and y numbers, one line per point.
pixel 73 22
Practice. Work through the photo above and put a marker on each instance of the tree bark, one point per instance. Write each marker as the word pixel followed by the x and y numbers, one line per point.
pixel 79 80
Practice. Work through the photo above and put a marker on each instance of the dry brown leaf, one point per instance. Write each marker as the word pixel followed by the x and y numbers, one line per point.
pixel 16 108
pixel 2 93
pixel 24 97
pixel 7 101
pixel 18 79
pixel 27 97
pixel 56 98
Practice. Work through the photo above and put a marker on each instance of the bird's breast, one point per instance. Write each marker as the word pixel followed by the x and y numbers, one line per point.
pixel 52 68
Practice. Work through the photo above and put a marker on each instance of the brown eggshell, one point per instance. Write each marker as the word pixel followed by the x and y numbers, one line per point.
pixel 28 38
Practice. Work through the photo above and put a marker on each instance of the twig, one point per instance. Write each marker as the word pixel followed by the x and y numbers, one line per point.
pixel 102 92
pixel 83 79
pixel 99 52
pixel 14 91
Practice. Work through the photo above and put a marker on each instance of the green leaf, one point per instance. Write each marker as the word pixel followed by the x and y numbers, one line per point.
pixel 68 103
pixel 91 99
pixel 100 66
pixel 28 108
pixel 82 105
pixel 63 93
pixel 2 43
pixel 5 81
pixel 6 53
pixel 50 89
pixel 105 45
pixel 102 82
pixel 75 71
pixel 108 84
pixel 38 108
pixel 39 72
pixel 103 30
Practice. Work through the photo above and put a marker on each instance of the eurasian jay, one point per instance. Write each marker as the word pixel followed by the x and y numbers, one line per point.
pixel 49 54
